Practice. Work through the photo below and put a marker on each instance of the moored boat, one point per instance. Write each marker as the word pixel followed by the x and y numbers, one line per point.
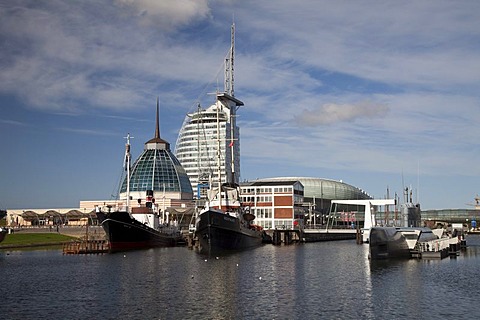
pixel 3 231
pixel 397 242
pixel 228 226
pixel 125 232
pixel 224 224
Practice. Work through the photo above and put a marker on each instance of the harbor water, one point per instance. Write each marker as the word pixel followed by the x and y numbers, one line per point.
pixel 323 280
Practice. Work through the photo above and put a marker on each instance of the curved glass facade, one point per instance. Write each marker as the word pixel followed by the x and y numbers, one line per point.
pixel 321 192
pixel 326 189
pixel 157 170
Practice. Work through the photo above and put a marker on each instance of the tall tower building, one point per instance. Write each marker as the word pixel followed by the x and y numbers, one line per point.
pixel 208 145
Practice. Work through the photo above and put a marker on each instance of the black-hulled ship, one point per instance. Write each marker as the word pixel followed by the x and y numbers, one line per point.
pixel 225 225
pixel 156 174
pixel 138 228
pixel 3 231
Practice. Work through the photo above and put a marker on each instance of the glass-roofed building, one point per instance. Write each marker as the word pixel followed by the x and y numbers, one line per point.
pixel 321 192
pixel 159 170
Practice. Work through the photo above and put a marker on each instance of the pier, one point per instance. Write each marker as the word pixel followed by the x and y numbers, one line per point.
pixel 286 236
pixel 314 235
pixel 86 247
pixel 91 240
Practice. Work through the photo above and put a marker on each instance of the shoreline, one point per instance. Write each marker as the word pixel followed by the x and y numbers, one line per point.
pixel 76 233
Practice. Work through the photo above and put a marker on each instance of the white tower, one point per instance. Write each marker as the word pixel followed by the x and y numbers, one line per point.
pixel 198 145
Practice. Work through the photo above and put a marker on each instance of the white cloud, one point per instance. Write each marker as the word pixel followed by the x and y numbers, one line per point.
pixel 168 13
pixel 332 113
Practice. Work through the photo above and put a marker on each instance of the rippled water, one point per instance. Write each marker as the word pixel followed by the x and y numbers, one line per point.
pixel 329 280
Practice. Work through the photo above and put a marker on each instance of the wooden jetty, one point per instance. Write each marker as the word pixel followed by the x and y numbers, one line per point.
pixel 90 243
pixel 86 247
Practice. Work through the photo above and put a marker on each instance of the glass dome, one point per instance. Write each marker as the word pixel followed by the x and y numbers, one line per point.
pixel 157 170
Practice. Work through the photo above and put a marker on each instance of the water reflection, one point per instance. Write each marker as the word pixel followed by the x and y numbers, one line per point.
pixel 310 281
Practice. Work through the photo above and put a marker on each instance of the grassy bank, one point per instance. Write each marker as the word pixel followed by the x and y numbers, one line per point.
pixel 34 239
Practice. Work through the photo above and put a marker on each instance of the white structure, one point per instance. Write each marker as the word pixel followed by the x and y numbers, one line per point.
pixel 370 220
pixel 199 145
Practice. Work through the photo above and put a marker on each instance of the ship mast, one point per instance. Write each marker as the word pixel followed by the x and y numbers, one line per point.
pixel 127 164
pixel 229 65
pixel 229 89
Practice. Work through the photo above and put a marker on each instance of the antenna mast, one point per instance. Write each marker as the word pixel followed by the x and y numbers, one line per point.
pixel 229 65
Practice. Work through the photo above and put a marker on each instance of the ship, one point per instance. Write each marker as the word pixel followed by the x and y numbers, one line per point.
pixel 3 231
pixel 147 224
pixel 138 228
pixel 409 239
pixel 225 224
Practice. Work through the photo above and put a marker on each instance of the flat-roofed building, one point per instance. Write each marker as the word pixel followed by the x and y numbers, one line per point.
pixel 275 204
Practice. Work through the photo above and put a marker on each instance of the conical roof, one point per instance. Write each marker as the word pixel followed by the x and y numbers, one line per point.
pixel 157 168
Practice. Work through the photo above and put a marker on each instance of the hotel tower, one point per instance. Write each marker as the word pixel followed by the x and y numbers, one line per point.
pixel 208 144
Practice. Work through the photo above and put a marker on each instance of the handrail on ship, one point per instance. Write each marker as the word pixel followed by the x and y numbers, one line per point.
pixel 435 245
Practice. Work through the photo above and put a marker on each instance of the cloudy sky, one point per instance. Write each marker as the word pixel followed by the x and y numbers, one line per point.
pixel 374 93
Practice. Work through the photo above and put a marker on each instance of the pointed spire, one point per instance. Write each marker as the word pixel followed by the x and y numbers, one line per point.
pixel 157 127
pixel 156 142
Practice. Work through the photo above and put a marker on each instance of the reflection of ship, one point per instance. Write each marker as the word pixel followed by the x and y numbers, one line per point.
pixel 3 231
pixel 143 226
pixel 224 224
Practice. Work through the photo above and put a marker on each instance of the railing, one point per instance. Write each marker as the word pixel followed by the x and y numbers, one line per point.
pixel 436 245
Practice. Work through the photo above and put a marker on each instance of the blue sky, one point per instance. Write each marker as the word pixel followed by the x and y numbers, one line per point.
pixel 374 93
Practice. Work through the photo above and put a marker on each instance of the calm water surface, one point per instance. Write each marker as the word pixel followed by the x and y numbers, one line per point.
pixel 329 280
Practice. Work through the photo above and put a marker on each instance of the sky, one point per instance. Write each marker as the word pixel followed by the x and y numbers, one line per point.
pixel 378 94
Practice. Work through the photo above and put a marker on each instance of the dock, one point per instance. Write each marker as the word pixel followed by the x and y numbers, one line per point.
pixel 286 236
pixel 315 235
pixel 86 247
pixel 91 240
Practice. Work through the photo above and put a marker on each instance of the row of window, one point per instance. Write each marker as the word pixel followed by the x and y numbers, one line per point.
pixel 276 224
pixel 251 190
pixel 269 199
pixel 263 213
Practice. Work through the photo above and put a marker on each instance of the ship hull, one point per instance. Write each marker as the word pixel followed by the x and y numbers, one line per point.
pixel 217 232
pixel 3 234
pixel 3 231
pixel 387 243
pixel 125 233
